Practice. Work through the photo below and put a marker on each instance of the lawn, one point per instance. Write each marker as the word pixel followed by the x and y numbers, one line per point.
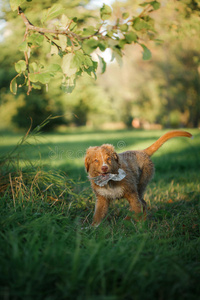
pixel 49 251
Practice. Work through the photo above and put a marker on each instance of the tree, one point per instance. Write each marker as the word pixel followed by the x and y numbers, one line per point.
pixel 73 43
pixel 38 109
pixel 165 89
pixel 40 103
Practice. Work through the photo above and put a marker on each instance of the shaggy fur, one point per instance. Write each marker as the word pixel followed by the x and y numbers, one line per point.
pixel 139 169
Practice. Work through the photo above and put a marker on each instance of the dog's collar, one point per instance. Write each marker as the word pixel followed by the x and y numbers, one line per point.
pixel 102 180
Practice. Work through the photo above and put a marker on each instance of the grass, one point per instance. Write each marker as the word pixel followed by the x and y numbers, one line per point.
pixel 47 249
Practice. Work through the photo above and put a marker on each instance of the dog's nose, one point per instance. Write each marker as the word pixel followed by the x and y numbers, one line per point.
pixel 104 169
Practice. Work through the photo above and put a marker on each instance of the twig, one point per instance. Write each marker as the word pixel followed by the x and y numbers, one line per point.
pixel 42 31
pixel 27 64
pixel 62 193
pixel 27 68
pixel 145 10
pixel 47 188
pixel 86 218
pixel 12 190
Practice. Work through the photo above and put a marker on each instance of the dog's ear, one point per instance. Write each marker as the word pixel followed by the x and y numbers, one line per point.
pixel 115 155
pixel 87 163
pixel 88 156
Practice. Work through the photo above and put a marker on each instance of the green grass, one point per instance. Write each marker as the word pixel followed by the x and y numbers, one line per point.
pixel 47 249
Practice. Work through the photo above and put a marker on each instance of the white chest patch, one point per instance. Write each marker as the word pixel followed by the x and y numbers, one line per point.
pixel 111 192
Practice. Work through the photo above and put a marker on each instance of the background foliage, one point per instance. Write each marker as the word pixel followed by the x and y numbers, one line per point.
pixel 163 90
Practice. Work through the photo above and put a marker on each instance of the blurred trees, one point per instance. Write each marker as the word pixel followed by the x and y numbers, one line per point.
pixel 164 90
pixel 38 109
pixel 88 104
pixel 179 65
pixel 17 110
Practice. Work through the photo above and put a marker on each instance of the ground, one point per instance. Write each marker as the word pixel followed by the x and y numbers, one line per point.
pixel 49 251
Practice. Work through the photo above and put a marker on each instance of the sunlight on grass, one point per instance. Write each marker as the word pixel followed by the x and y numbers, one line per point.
pixel 46 212
pixel 61 150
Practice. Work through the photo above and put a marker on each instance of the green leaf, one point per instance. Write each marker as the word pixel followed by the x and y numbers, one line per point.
pixel 64 20
pixel 90 30
pixel 14 4
pixel 54 50
pixel 88 61
pixel 146 52
pixel 33 77
pixel 139 24
pixel 131 37
pixel 54 68
pixel 122 43
pixel 125 15
pixel 103 45
pixel 73 26
pixel 102 64
pixel 20 66
pixel 155 4
pixel 13 85
pixel 36 86
pixel 43 77
pixel 77 59
pixel 23 46
pixel 144 4
pixel 105 12
pixel 90 45
pixel 35 39
pixel 66 65
pixel 116 55
pixel 123 27
pixel 53 12
pixel 92 70
pixel 68 88
pixel 63 41
pixel 68 85
pixel 33 67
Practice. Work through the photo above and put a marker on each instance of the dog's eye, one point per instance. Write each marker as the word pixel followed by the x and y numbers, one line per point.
pixel 108 159
pixel 96 160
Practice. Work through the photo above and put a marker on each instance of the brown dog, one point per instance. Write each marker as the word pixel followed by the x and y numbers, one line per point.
pixel 123 175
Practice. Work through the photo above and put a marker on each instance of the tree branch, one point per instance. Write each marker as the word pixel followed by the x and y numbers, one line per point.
pixel 41 30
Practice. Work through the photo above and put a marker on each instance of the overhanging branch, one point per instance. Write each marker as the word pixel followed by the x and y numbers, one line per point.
pixel 42 30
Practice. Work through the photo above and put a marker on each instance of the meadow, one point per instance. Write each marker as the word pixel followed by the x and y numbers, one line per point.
pixel 48 249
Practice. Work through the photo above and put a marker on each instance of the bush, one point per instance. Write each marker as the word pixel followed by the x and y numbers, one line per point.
pixel 38 107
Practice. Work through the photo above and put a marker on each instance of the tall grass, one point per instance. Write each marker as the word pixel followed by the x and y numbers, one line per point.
pixel 49 251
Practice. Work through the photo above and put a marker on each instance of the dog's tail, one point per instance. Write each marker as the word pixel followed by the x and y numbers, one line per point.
pixel 171 134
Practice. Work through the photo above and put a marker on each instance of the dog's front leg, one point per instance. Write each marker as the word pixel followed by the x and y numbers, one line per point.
pixel 101 210
pixel 136 206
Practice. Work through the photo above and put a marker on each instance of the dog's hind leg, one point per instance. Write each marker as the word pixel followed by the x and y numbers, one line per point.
pixel 147 173
pixel 136 206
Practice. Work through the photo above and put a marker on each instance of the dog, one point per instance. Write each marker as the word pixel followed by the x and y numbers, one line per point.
pixel 122 175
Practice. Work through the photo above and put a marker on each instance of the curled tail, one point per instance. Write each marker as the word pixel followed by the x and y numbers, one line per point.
pixel 171 134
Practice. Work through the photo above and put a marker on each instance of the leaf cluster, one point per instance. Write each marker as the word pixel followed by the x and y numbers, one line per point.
pixel 74 45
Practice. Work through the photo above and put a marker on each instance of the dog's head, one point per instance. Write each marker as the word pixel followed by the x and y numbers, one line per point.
pixel 101 160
